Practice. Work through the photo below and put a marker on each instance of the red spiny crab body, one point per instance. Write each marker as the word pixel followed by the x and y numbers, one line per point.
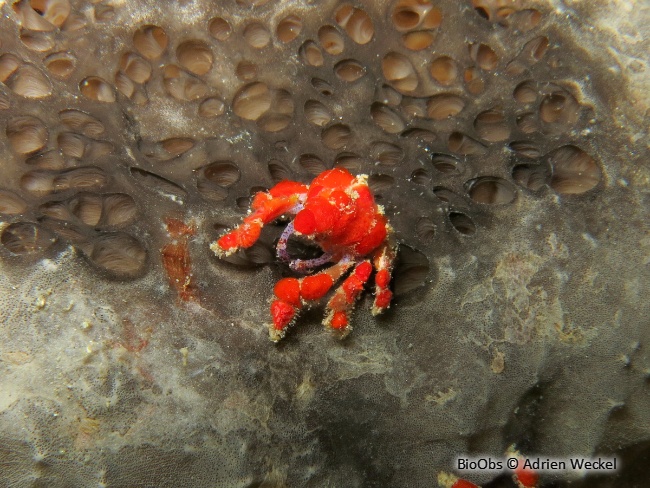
pixel 337 211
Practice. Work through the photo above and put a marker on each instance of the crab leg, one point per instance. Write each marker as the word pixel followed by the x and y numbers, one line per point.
pixel 294 293
pixel 299 265
pixel 343 300
pixel 285 197
pixel 282 252
pixel 383 261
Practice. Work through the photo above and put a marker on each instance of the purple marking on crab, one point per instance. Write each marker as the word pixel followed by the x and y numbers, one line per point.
pixel 281 248
pixel 299 265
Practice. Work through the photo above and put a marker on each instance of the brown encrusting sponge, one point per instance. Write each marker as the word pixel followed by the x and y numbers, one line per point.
pixel 506 141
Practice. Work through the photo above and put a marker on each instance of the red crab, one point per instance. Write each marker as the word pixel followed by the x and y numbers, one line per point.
pixel 337 211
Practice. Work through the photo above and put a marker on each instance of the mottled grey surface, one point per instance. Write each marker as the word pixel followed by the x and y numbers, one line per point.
pixel 521 313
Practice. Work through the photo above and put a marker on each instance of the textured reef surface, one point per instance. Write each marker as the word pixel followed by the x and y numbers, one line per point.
pixel 508 144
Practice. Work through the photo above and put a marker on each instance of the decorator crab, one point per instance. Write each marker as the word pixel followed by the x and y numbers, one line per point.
pixel 337 211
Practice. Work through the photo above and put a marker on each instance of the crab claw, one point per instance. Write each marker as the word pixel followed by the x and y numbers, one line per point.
pixel 291 294
pixel 243 236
